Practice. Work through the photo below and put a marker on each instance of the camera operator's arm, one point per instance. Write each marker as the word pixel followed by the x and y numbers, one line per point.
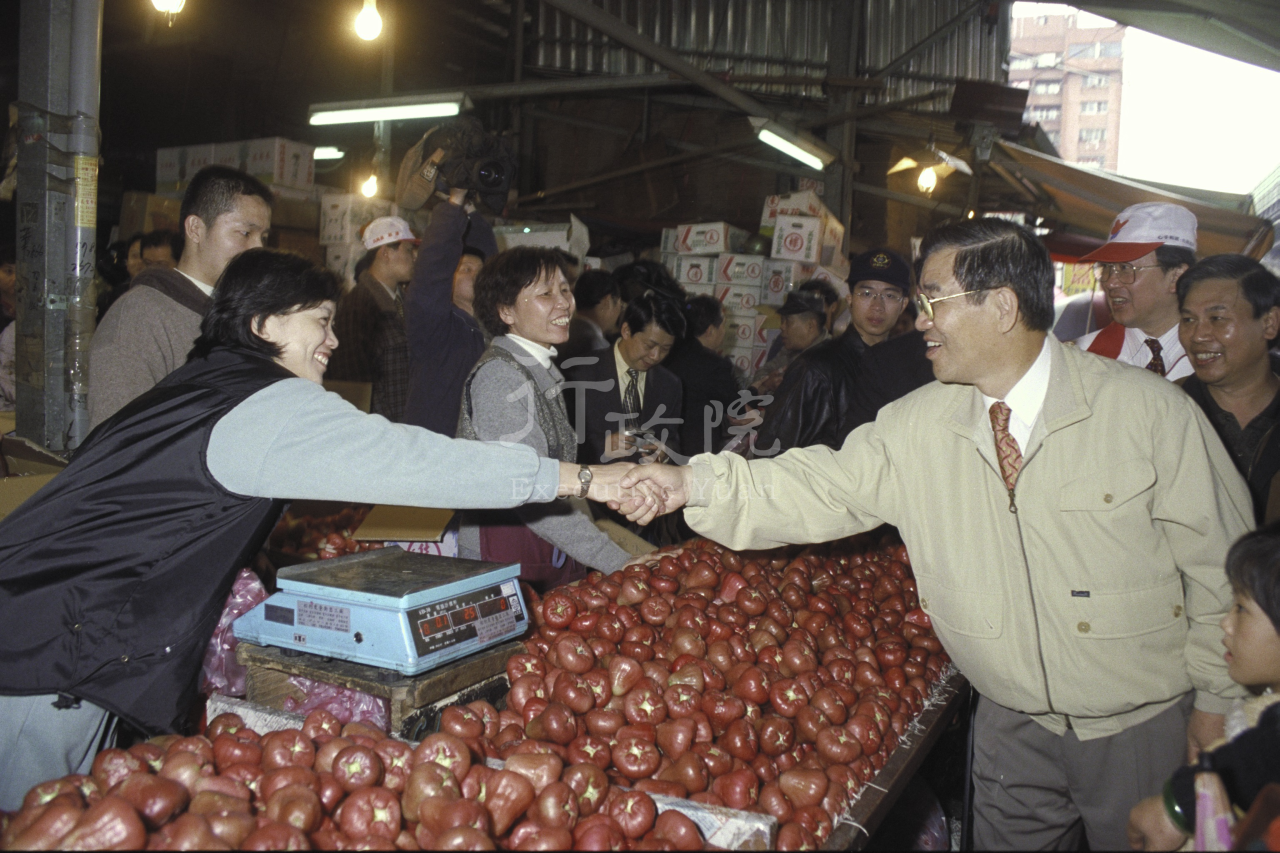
pixel 429 302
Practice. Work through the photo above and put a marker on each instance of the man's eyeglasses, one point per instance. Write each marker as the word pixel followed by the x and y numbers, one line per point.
pixel 889 297
pixel 925 305
pixel 1123 273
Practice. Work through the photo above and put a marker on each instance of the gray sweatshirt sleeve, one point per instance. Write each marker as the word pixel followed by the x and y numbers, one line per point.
pixel 294 440
pixel 503 409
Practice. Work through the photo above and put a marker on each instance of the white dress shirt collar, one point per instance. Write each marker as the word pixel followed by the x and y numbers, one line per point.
pixel 538 351
pixel 1137 353
pixel 1026 398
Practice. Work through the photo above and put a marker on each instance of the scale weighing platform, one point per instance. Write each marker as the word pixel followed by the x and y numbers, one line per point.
pixel 391 609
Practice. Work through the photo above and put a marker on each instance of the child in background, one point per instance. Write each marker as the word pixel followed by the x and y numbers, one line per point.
pixel 1250 757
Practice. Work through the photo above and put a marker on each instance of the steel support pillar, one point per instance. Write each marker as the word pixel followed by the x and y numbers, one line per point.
pixel 57 198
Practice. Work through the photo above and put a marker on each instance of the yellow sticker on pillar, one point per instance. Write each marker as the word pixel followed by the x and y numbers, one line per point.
pixel 1077 278
pixel 86 192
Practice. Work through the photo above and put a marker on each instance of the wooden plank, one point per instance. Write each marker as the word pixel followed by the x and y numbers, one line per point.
pixel 270 668
pixel 866 814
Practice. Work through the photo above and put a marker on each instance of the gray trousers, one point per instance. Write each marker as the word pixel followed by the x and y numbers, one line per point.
pixel 1034 790
pixel 39 742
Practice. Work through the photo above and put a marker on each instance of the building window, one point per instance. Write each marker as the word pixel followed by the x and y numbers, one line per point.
pixel 1093 136
pixel 1019 63
pixel 1091 162
pixel 1082 51
pixel 1109 49
pixel 1093 108
pixel 1054 137
pixel 1020 84
pixel 1047 113
pixel 1052 88
pixel 1042 20
pixel 1095 81
pixel 1048 60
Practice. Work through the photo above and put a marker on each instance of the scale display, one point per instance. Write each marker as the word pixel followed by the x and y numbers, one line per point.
pixel 390 608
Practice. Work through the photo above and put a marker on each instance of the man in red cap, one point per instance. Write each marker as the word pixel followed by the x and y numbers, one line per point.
pixel 1150 247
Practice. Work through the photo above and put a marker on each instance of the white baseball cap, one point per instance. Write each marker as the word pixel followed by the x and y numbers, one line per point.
pixel 1143 228
pixel 387 229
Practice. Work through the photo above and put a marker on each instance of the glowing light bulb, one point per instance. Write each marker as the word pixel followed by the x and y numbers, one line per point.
pixel 369 22
pixel 928 180
pixel 370 187
pixel 170 7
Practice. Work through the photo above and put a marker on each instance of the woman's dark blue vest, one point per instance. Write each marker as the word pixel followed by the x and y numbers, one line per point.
pixel 114 575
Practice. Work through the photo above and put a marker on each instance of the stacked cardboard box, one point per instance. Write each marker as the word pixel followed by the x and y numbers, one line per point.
pixel 275 161
pixel 572 236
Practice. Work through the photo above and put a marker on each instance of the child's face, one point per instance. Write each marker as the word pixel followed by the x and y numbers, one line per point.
pixel 1253 644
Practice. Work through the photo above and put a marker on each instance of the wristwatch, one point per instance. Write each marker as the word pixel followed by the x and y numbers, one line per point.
pixel 584 478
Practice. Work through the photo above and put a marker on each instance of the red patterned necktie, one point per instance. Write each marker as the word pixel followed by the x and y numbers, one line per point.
pixel 1006 447
pixel 1156 365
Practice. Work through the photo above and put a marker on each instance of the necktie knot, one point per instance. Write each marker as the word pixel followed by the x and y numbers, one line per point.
pixel 1006 448
pixel 1156 365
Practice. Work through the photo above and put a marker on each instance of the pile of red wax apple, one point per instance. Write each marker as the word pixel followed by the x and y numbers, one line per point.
pixel 763 682
pixel 322 538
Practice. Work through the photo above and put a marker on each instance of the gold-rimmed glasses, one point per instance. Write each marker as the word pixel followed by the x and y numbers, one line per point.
pixel 1123 273
pixel 924 304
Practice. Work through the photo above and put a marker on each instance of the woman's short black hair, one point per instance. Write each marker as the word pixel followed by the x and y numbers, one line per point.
pixel 700 314
pixel 594 287
pixel 500 281
pixel 1253 568
pixel 257 284
pixel 1257 284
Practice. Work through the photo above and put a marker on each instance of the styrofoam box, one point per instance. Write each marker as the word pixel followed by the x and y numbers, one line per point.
pixel 709 238
pixel 739 269
pixel 694 269
pixel 572 236
pixel 809 239
pixel 344 215
pixel 779 278
pixel 805 203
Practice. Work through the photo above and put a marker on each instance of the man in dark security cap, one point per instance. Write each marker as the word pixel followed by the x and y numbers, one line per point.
pixel 879 287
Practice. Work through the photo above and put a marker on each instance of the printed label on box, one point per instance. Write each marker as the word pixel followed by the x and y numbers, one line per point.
pixel 709 238
pixel 739 269
pixel 693 269
pixel 737 297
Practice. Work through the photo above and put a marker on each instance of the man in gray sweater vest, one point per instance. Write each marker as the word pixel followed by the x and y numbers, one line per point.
pixel 148 332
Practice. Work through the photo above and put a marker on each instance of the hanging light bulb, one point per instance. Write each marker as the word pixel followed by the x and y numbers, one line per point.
pixel 928 180
pixel 169 7
pixel 370 187
pixel 369 22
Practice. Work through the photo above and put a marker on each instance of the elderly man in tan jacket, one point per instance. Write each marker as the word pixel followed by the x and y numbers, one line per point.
pixel 1067 518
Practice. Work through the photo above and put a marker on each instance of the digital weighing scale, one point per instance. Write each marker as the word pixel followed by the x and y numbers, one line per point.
pixel 391 609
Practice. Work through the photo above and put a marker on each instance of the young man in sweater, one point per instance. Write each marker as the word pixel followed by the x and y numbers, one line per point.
pixel 148 332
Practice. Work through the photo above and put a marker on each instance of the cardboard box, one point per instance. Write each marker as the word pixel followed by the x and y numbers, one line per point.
pixel 669 236
pixel 739 298
pixel 404 524
pixel 779 278
pixel 592 264
pixel 740 269
pixel 572 236
pixel 171 171
pixel 743 330
pixel 143 212
pixel 342 259
pixel 810 240
pixel 198 156
pixel 297 240
pixel 806 203
pixel 702 289
pixel 343 216
pixel 832 277
pixel 276 160
pixel 14 491
pixel 709 238
pixel 693 269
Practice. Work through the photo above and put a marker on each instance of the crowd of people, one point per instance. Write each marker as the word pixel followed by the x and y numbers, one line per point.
pixel 1078 512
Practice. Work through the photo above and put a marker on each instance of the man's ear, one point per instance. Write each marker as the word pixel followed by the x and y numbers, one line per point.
pixel 624 330
pixel 1174 274
pixel 194 229
pixel 1271 324
pixel 1006 304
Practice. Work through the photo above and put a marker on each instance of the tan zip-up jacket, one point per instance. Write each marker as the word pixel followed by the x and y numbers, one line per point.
pixel 1096 604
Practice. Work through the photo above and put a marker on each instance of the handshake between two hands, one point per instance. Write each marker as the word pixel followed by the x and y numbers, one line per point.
pixel 640 492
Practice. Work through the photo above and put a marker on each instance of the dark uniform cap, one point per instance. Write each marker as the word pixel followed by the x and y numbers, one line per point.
pixel 801 303
pixel 881 265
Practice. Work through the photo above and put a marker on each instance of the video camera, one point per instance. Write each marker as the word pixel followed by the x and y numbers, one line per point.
pixel 458 154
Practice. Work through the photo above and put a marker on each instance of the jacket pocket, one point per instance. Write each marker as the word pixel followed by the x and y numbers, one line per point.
pixel 971 613
pixel 1104 491
pixel 1129 613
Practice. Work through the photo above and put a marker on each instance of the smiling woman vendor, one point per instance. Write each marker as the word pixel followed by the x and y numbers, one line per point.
pixel 113 576
pixel 514 393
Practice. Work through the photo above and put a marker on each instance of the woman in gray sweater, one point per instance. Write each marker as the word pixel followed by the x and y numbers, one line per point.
pixel 514 394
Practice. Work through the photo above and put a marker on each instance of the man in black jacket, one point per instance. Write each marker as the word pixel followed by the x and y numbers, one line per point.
pixel 621 401
pixel 707 377
pixel 815 400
